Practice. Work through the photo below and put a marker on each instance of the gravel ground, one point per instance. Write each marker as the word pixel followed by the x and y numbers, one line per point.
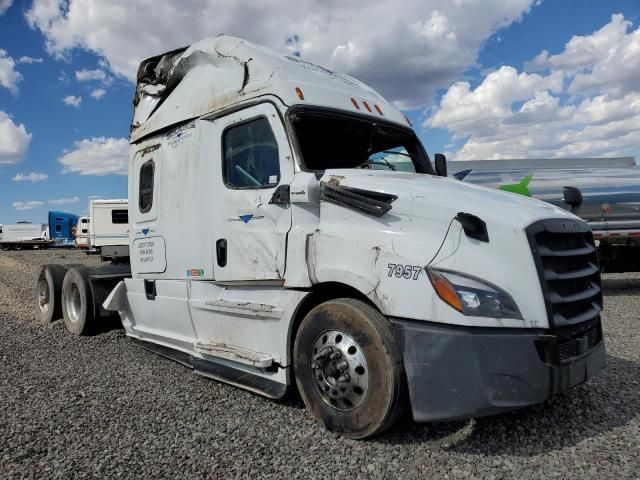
pixel 102 407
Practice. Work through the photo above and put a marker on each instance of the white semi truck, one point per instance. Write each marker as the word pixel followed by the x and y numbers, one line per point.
pixel 18 236
pixel 286 227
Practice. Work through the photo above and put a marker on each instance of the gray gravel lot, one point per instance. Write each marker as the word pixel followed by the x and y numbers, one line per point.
pixel 101 407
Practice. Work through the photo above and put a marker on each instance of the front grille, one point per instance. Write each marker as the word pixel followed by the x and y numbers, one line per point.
pixel 567 262
pixel 575 340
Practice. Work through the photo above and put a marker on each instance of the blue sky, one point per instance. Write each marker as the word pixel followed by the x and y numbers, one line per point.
pixel 473 79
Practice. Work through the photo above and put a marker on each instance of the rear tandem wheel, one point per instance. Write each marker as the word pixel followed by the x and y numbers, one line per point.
pixel 77 301
pixel 47 292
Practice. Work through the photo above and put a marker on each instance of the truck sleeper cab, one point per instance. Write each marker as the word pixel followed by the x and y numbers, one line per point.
pixel 286 225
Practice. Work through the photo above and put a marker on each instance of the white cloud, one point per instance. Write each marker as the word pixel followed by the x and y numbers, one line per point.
pixel 462 108
pixel 520 115
pixel 98 93
pixel 31 177
pixel 64 201
pixel 72 101
pixel 4 5
pixel 14 140
pixel 85 75
pixel 405 51
pixel 9 76
pixel 29 60
pixel 97 156
pixel 27 205
pixel 605 61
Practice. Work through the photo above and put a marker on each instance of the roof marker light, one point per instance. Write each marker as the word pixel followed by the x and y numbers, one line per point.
pixel 355 104
pixel 378 109
pixel 299 93
pixel 366 105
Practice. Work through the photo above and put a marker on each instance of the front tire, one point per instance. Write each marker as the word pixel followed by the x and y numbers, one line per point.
pixel 348 368
pixel 77 301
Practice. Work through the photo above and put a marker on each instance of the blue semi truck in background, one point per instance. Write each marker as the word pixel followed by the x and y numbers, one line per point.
pixel 61 228
pixel 26 235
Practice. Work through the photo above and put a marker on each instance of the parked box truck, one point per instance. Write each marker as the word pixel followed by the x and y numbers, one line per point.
pixel 266 250
pixel 23 235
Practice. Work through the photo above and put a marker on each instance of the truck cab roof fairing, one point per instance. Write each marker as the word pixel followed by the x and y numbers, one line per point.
pixel 218 72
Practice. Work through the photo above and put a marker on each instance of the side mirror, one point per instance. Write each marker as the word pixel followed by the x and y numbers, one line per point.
pixel 441 164
pixel 572 197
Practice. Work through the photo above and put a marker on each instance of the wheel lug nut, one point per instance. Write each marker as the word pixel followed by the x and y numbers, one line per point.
pixel 343 365
pixel 335 355
pixel 315 365
pixel 344 378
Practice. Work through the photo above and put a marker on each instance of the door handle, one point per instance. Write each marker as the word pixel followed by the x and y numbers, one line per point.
pixel 150 289
pixel 221 252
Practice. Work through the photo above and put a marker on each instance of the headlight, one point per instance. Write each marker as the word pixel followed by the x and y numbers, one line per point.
pixel 472 296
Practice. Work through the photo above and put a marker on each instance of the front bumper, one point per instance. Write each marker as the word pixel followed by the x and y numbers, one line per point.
pixel 467 372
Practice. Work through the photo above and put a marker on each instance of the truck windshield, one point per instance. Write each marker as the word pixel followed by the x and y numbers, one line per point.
pixel 336 140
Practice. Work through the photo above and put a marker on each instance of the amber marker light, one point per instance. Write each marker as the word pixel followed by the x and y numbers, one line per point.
pixel 299 93
pixel 355 104
pixel 366 105
pixel 378 110
pixel 445 290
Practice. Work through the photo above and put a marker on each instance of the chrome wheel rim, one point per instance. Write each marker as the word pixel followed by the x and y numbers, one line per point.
pixel 44 297
pixel 340 370
pixel 73 303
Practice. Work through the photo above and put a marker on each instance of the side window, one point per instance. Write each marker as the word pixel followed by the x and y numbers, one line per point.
pixel 146 186
pixel 58 228
pixel 119 216
pixel 250 155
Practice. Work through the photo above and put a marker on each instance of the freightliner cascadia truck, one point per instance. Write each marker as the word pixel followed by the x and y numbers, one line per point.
pixel 287 228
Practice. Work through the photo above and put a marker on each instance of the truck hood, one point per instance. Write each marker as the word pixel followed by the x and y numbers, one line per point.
pixel 364 248
pixel 438 199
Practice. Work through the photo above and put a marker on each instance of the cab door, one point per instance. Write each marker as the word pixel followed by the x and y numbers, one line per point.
pixel 251 212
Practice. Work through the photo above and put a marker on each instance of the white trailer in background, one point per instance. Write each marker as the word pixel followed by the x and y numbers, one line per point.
pixel 82 233
pixel 23 235
pixel 109 227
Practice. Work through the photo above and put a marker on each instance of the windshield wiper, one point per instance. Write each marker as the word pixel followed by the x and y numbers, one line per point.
pixel 381 161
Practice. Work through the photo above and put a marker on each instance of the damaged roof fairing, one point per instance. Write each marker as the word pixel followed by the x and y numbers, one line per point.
pixel 218 72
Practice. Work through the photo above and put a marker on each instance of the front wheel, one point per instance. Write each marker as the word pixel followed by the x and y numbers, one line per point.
pixel 348 368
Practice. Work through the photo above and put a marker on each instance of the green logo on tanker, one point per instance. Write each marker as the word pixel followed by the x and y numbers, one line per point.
pixel 520 188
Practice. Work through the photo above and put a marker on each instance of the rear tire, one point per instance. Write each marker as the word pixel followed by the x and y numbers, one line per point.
pixel 17 247
pixel 348 368
pixel 77 301
pixel 6 247
pixel 48 290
